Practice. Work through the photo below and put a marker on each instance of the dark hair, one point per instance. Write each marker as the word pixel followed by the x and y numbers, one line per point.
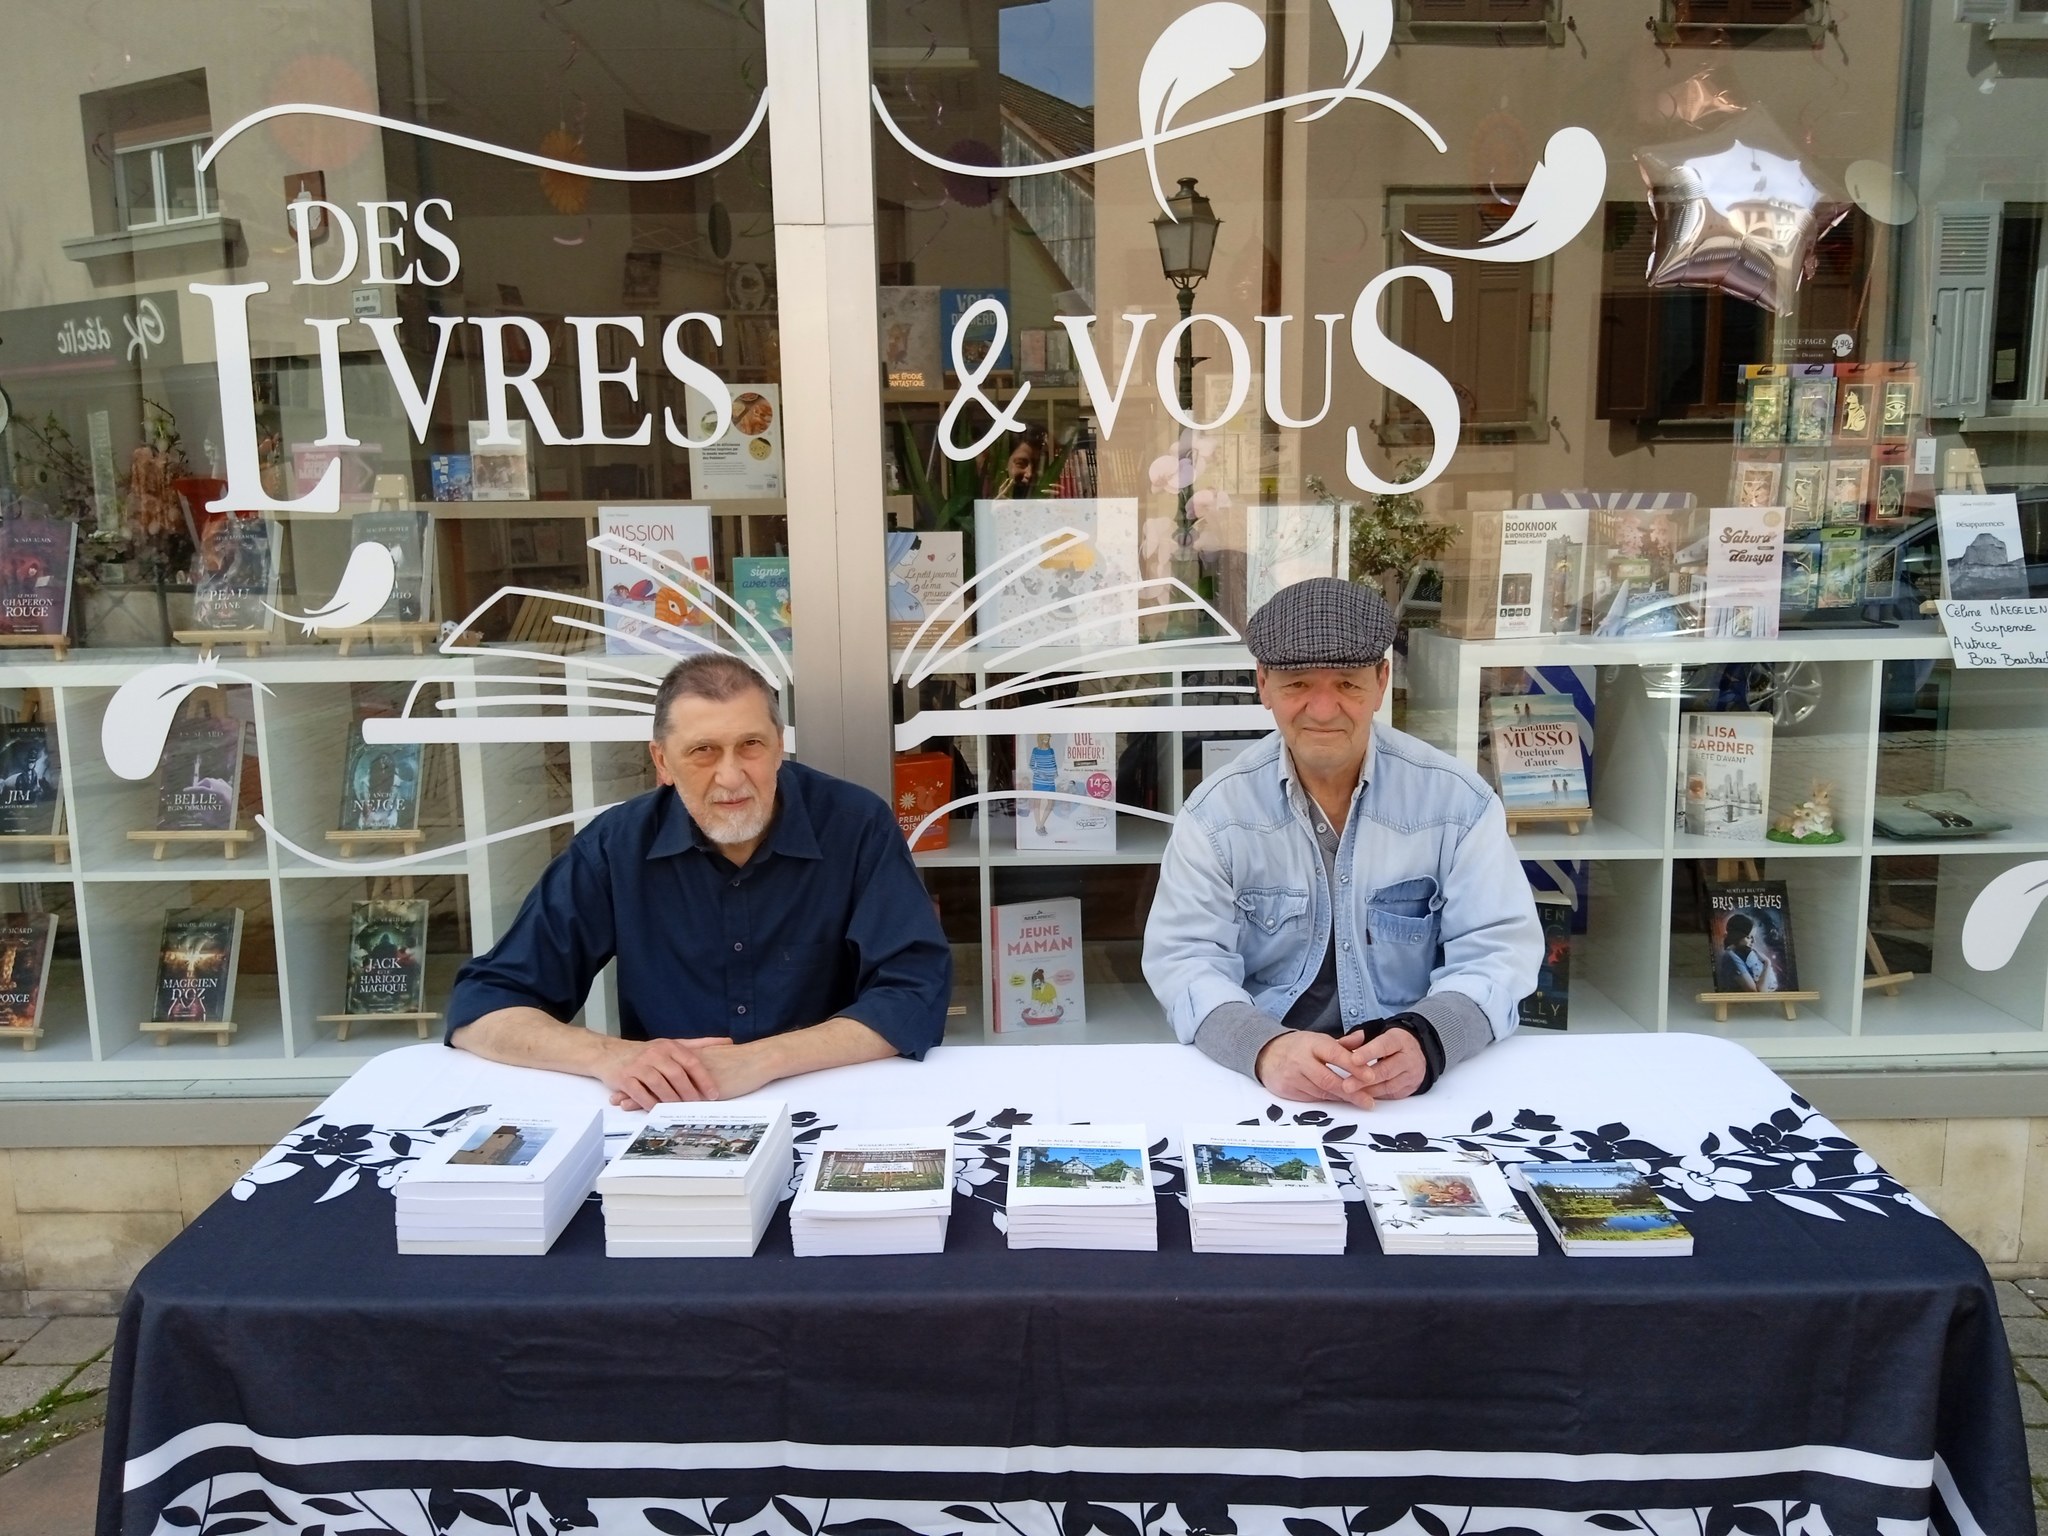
pixel 712 676
pixel 1740 926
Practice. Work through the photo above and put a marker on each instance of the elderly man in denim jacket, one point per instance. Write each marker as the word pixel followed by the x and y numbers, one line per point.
pixel 1340 913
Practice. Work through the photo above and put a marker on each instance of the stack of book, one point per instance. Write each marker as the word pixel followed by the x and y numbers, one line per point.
pixel 504 1183
pixel 1261 1189
pixel 1604 1210
pixel 1439 1202
pixel 875 1192
pixel 696 1181
pixel 1081 1186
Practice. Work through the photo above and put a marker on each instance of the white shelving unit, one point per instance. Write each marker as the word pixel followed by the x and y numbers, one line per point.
pixel 1631 971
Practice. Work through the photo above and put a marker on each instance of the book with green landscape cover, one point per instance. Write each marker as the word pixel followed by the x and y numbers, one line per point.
pixel 1604 1210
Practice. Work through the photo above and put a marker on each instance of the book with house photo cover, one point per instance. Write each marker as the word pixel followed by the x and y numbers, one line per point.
pixel 198 951
pixel 387 957
pixel 1081 1186
pixel 31 785
pixel 1749 937
pixel 199 780
pixel 27 940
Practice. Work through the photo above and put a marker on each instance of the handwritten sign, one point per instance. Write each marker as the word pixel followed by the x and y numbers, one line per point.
pixel 1998 634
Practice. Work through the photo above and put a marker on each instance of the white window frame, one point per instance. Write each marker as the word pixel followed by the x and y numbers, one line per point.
pixel 195 145
pixel 2033 400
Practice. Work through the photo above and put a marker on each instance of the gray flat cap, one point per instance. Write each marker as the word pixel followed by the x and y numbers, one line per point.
pixel 1321 622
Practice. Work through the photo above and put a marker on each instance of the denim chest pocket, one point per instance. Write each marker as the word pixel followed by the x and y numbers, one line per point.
pixel 1403 921
pixel 1271 909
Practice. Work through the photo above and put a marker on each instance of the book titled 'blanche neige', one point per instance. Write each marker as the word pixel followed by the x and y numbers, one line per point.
pixel 1036 950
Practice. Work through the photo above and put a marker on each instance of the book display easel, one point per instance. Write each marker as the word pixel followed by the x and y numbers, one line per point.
pixel 222 1030
pixel 1570 820
pixel 58 644
pixel 250 641
pixel 1787 999
pixel 344 1022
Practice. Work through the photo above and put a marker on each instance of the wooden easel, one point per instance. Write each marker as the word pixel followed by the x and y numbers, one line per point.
pixel 58 841
pixel 1570 819
pixel 61 644
pixel 221 1030
pixel 1889 979
pixel 342 1021
pixel 28 1035
pixel 418 634
pixel 1745 869
pixel 252 641
pixel 408 840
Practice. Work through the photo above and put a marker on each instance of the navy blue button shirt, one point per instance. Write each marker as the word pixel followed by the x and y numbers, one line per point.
pixel 827 919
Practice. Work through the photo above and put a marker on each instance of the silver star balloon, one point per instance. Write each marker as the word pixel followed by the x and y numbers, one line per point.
pixel 1739 219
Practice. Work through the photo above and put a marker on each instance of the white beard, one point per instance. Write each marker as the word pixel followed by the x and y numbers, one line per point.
pixel 733 826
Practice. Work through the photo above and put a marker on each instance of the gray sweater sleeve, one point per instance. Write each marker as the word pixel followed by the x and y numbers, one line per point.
pixel 1233 1034
pixel 1460 1024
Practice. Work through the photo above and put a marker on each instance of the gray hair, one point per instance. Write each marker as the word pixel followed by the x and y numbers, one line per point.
pixel 716 677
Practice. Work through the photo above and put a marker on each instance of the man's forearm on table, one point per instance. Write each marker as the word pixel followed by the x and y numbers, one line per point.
pixel 837 1042
pixel 528 1037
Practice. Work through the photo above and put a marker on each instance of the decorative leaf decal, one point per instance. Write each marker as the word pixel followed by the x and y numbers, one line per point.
pixel 1368 27
pixel 1563 194
pixel 360 595
pixel 139 715
pixel 1198 51
pixel 1998 918
pixel 672 1522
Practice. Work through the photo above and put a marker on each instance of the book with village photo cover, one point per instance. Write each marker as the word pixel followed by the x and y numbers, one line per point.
pixel 1749 937
pixel 199 780
pixel 31 786
pixel 1603 1210
pixel 197 954
pixel 1079 1164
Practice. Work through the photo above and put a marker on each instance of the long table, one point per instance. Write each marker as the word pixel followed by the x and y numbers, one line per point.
pixel 1829 1358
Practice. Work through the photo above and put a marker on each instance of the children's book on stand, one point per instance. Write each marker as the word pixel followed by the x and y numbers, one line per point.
pixel 198 953
pixel 199 786
pixel 1539 760
pixel 387 967
pixel 1066 792
pixel 697 1181
pixel 27 942
pixel 1081 1186
pixel 652 614
pixel 760 584
pixel 1079 595
pixel 448 477
pixel 1035 948
pixel 884 1191
pixel 32 789
pixel 1727 775
pixel 1603 1210
pixel 925 574
pixel 1749 943
pixel 908 328
pixel 507 1181
pixel 1443 1203
pixel 234 582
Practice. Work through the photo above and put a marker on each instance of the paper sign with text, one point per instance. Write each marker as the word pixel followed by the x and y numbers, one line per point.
pixel 1998 634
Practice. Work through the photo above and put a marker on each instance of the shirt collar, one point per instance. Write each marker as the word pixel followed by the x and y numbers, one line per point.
pixel 793 834
pixel 1290 781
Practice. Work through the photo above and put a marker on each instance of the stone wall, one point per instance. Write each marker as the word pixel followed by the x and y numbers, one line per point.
pixel 77 1223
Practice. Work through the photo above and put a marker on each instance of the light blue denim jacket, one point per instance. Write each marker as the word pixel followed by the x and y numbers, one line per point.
pixel 1433 914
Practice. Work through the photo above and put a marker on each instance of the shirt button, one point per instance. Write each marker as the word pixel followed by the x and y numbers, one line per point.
pixel 738 945
pixel 1321 828
pixel 1345 945
pixel 1343 879
pixel 741 1009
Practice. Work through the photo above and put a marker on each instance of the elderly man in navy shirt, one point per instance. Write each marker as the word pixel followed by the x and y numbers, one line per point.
pixel 767 919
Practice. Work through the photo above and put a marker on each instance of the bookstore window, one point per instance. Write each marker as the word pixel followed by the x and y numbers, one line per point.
pixel 1495 348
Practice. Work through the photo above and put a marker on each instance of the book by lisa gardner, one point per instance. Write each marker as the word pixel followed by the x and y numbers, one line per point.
pixel 1749 934
pixel 195 968
pixel 1727 775
pixel 1037 956
pixel 387 957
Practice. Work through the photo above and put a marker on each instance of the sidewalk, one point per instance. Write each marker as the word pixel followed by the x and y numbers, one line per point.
pixel 53 1381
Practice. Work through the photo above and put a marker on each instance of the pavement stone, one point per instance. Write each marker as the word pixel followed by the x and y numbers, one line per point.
pixel 2014 1302
pixel 23 1386
pixel 56 1493
pixel 2033 1407
pixel 14 1329
pixel 2027 1335
pixel 75 1340
pixel 2037 1455
pixel 98 1376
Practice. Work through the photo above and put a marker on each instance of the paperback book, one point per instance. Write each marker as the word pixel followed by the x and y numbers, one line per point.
pixel 875 1192
pixel 760 584
pixel 1727 775
pixel 1036 951
pixel 448 477
pixel 923 783
pixel 499 471
pixel 407 536
pixel 506 1181
pixel 1549 1006
pixel 909 330
pixel 697 1181
pixel 1441 1202
pixel 387 957
pixel 975 346
pixel 1749 937
pixel 1745 554
pixel 1080 595
pixel 925 573
pixel 1982 555
pixel 380 784
pixel 1540 765
pixel 1081 1186
pixel 1284 545
pixel 27 940
pixel 1261 1189
pixel 1542 571
pixel 199 781
pixel 31 785
pixel 236 577
pixel 1603 1210
pixel 197 954
pixel 1081 769
pixel 36 559
pixel 650 613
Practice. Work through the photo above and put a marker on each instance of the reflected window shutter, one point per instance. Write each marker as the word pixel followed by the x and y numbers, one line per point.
pixel 1964 269
pixel 1628 316
pixel 1986 11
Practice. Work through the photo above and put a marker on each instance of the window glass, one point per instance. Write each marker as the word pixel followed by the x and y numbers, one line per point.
pixel 1533 319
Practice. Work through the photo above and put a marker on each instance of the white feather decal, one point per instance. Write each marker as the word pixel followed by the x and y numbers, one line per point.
pixel 364 589
pixel 1368 28
pixel 1998 918
pixel 1197 52
pixel 1563 194
pixel 139 715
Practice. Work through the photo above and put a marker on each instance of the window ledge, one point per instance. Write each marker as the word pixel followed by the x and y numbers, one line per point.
pixel 2035 420
pixel 217 230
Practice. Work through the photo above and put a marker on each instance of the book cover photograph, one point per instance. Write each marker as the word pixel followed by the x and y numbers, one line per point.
pixel 1745 550
pixel 925 574
pixel 195 969
pixel 31 786
pixel 1540 764
pixel 1727 775
pixel 380 784
pixel 1096 1169
pixel 235 575
pixel 387 957
pixel 652 616
pixel 407 536
pixel 723 1145
pixel 1437 1202
pixel 448 477
pixel 26 942
pixel 496 1143
pixel 1549 1006
pixel 199 783
pixel 760 584
pixel 874 1170
pixel 1603 1206
pixel 1749 937
pixel 36 560
pixel 1081 766
pixel 1981 552
pixel 1050 600
pixel 499 471
pixel 1037 957
pixel 1281 1169
pixel 746 458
